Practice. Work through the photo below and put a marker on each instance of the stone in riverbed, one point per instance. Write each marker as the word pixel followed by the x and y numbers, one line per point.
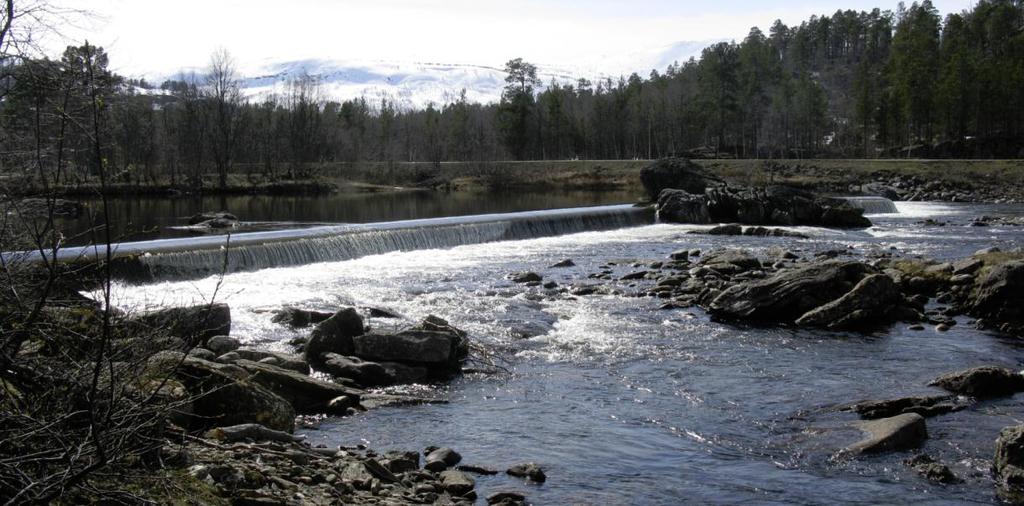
pixel 999 297
pixel 926 406
pixel 563 264
pixel 530 471
pixel 334 335
pixel 457 482
pixel 526 277
pixel 195 324
pixel 985 381
pixel 931 470
pixel 895 433
pixel 789 294
pixel 1008 464
pixel 222 344
pixel 441 458
pixel 364 373
pixel 506 498
pixel 297 317
pixel 866 305
pixel 438 351
pixel 288 361
pixel 308 395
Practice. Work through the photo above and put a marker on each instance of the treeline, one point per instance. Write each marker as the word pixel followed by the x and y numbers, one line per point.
pixel 853 84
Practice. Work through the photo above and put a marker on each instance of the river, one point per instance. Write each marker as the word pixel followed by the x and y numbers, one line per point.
pixel 623 403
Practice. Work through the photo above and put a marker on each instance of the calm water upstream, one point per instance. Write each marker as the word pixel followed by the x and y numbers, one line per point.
pixel 623 403
pixel 144 218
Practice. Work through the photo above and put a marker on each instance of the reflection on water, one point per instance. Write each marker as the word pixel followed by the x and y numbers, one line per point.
pixel 152 217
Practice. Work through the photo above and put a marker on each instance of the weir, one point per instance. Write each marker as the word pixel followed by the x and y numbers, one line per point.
pixel 872 205
pixel 188 258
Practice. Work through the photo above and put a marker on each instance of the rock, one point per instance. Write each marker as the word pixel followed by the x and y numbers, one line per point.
pixel 931 470
pixel 634 275
pixel 526 277
pixel 740 258
pixel 229 358
pixel 401 374
pixel 530 471
pixel 224 394
pixel 730 229
pixel 982 382
pixel 457 482
pixel 894 433
pixel 288 361
pixel 222 344
pixel 298 318
pixel 334 335
pixel 307 394
pixel 200 218
pixel 202 353
pixel 401 462
pixel 441 459
pixel 789 294
pixel 377 312
pixel 365 374
pixel 866 305
pixel 1008 464
pixel 967 266
pixel 999 296
pixel 678 206
pixel 195 324
pixel 680 255
pixel 477 470
pixel 926 406
pixel 563 264
pixel 506 498
pixel 438 351
pixel 676 173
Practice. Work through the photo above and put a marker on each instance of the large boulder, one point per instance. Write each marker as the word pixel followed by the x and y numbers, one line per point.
pixel 438 351
pixel 224 394
pixel 334 335
pixel 789 294
pixel 895 433
pixel 981 382
pixel 364 373
pixel 867 305
pixel 307 394
pixel 676 173
pixel 195 324
pixel 678 206
pixel 298 318
pixel 999 296
pixel 1008 464
pixel 775 205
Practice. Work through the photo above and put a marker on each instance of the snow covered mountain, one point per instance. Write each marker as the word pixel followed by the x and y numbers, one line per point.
pixel 416 84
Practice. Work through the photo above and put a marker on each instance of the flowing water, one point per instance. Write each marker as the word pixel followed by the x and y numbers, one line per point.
pixel 623 403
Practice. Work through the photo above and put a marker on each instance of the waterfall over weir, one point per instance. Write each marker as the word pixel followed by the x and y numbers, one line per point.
pixel 203 256
pixel 873 205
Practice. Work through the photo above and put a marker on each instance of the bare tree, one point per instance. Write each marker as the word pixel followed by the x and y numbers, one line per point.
pixel 225 100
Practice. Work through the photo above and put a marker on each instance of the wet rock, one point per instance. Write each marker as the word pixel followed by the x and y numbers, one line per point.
pixel 334 335
pixel 931 470
pixel 298 318
pixel 926 406
pixel 229 358
pixel 789 294
pixel 530 471
pixel 730 229
pixel 678 206
pixel 999 297
pixel 377 312
pixel 441 458
pixel 563 264
pixel 288 361
pixel 222 344
pixel 307 394
pixel 195 325
pixel 457 482
pixel 1008 464
pixel 895 433
pixel 739 258
pixel 401 462
pixel 477 470
pixel 634 275
pixel 526 277
pixel 982 382
pixel 364 373
pixel 438 351
pixel 677 173
pixel 866 305
pixel 506 498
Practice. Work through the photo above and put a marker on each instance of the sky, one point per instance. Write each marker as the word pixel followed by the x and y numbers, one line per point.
pixel 158 38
